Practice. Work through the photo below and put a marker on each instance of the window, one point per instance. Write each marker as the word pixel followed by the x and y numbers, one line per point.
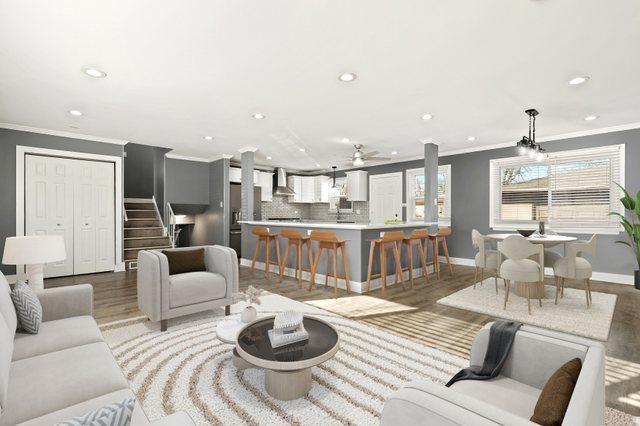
pixel 338 197
pixel 570 190
pixel 415 194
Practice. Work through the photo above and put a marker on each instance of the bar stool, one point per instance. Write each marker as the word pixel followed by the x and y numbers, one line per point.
pixel 328 240
pixel 297 240
pixel 388 241
pixel 440 237
pixel 266 237
pixel 415 239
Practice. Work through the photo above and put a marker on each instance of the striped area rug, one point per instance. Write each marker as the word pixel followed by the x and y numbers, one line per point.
pixel 187 368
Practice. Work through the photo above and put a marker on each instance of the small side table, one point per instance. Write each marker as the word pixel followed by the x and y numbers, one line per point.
pixel 227 331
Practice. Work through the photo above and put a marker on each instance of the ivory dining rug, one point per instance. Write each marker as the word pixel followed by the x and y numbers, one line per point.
pixel 187 368
pixel 570 315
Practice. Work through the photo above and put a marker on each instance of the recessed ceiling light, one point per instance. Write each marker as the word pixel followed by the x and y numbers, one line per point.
pixel 471 138
pixel 394 152
pixel 348 76
pixel 94 72
pixel 75 112
pixel 345 140
pixel 590 117
pixel 258 116
pixel 317 165
pixel 427 117
pixel 208 138
pixel 302 150
pixel 74 127
pixel 578 80
pixel 268 158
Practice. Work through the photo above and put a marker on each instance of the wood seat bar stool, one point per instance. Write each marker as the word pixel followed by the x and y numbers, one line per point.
pixel 436 239
pixel 415 239
pixel 298 241
pixel 388 241
pixel 328 241
pixel 266 237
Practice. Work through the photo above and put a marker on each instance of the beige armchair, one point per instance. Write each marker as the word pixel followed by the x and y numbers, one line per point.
pixel 485 259
pixel 162 296
pixel 574 266
pixel 520 268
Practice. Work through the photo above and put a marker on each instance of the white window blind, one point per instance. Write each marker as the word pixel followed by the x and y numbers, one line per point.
pixel 415 193
pixel 570 190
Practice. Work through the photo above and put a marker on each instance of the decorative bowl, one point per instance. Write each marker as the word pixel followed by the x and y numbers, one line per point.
pixel 526 232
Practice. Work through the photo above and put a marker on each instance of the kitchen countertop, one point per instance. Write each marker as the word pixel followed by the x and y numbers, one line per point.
pixel 335 225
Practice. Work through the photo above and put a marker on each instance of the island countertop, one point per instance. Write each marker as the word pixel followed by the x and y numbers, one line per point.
pixel 336 225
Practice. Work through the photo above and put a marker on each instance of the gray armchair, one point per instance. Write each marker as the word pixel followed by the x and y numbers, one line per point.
pixel 162 296
pixel 511 397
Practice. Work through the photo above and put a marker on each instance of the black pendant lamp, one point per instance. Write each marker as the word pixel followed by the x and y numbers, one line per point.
pixel 334 176
pixel 527 146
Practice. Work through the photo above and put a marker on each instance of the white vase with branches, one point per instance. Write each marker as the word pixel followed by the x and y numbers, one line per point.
pixel 252 297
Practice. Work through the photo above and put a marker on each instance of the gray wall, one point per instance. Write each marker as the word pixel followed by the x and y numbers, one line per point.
pixel 9 139
pixel 212 227
pixel 139 171
pixel 186 182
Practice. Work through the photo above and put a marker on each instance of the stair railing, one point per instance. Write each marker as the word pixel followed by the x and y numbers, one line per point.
pixel 171 224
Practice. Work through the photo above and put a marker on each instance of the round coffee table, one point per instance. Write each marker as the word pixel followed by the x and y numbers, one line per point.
pixel 287 368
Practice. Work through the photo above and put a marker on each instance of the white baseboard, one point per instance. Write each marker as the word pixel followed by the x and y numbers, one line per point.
pixel 597 276
pixel 354 286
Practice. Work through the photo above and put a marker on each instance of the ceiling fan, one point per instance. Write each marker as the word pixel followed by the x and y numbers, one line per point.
pixel 358 158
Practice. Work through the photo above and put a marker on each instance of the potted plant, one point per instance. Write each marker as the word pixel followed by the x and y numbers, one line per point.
pixel 632 227
pixel 251 296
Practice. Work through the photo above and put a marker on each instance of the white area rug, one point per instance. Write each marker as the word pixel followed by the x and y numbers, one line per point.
pixel 187 368
pixel 570 315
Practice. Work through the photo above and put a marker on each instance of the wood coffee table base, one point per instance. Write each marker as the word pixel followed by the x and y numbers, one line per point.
pixel 521 290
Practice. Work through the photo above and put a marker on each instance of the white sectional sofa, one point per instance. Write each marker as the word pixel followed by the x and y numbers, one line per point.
pixel 64 371
pixel 510 398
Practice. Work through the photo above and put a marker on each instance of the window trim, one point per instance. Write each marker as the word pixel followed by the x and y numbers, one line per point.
pixel 515 225
pixel 409 200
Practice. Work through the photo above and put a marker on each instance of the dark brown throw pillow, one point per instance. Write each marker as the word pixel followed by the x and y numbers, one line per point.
pixel 556 393
pixel 181 261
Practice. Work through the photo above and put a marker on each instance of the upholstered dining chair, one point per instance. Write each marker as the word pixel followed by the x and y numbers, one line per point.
pixel 574 266
pixel 485 259
pixel 550 256
pixel 519 268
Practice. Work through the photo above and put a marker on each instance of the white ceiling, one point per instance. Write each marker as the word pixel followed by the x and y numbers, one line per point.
pixel 180 70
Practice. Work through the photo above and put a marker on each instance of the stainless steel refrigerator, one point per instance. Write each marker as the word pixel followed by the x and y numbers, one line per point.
pixel 235 199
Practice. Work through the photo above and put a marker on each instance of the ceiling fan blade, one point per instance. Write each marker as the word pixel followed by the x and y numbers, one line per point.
pixel 370 154
pixel 377 158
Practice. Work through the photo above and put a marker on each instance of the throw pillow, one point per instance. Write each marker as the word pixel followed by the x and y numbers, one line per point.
pixel 116 414
pixel 181 261
pixel 28 308
pixel 556 393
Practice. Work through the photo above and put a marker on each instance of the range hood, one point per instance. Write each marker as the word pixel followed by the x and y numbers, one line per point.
pixel 281 187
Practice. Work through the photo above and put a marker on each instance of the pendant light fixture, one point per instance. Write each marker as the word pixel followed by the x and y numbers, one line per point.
pixel 527 145
pixel 334 176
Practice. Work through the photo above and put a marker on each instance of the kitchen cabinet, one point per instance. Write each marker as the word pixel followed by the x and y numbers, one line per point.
pixel 304 188
pixel 321 189
pixel 357 183
pixel 235 174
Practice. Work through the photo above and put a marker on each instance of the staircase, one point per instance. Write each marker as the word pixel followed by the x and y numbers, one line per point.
pixel 143 229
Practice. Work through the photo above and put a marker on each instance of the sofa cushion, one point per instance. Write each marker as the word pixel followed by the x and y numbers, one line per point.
pixel 195 287
pixel 55 336
pixel 6 348
pixel 113 414
pixel 556 394
pixel 503 392
pixel 46 383
pixel 182 261
pixel 138 418
pixel 28 307
pixel 6 305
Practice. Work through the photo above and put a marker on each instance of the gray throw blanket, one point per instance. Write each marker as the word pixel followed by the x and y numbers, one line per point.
pixel 501 338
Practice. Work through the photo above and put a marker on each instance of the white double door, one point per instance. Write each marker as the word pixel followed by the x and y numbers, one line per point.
pixel 75 199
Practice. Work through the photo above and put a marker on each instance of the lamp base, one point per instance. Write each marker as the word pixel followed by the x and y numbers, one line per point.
pixel 35 276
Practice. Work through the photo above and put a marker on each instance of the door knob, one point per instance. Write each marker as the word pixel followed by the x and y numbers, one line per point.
pixel 59 224
pixel 86 224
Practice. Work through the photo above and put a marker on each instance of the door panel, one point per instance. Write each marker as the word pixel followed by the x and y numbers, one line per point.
pixel 385 197
pixel 104 216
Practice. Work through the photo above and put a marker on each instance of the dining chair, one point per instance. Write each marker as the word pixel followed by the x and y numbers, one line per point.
pixel 550 256
pixel 485 259
pixel 519 268
pixel 574 266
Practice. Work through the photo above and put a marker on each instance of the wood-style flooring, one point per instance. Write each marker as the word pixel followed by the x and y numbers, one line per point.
pixel 443 327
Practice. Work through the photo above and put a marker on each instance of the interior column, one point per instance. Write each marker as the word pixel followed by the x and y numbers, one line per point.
pixel 246 190
pixel 431 185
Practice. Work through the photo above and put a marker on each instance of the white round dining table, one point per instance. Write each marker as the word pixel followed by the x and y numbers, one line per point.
pixel 547 241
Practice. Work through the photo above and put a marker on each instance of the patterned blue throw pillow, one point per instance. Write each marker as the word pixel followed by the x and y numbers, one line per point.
pixel 28 308
pixel 116 414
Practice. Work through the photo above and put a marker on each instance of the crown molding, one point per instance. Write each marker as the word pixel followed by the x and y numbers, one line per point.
pixel 247 149
pixel 187 158
pixel 63 134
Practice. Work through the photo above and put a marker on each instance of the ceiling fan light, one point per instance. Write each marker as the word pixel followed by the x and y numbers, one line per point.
pixel 358 162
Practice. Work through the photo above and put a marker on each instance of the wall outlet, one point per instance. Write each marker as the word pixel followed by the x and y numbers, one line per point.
pixel 220 203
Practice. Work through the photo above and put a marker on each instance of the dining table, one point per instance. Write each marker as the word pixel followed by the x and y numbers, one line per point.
pixel 547 240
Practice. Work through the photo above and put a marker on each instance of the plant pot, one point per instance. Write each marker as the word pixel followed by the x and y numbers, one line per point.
pixel 636 279
pixel 248 314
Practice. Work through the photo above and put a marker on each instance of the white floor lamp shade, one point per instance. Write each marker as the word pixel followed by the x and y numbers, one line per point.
pixel 34 251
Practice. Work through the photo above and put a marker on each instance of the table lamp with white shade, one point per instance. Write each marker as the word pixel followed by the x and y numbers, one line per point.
pixel 34 251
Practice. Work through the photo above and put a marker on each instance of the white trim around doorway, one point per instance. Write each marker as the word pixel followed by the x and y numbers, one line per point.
pixel 22 151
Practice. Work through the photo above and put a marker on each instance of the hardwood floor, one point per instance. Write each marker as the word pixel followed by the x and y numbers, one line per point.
pixel 443 327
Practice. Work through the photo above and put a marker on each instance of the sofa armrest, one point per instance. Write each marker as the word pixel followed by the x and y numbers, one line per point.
pixel 425 402
pixel 149 282
pixel 224 261
pixel 65 302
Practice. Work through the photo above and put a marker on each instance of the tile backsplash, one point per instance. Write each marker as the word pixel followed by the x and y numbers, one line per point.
pixel 281 207
pixel 360 212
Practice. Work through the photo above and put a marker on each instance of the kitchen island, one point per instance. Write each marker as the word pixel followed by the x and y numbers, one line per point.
pixel 358 237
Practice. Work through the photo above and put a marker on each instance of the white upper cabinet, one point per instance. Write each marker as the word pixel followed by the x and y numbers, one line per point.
pixel 265 181
pixel 357 183
pixel 235 174
pixel 321 189
pixel 304 188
